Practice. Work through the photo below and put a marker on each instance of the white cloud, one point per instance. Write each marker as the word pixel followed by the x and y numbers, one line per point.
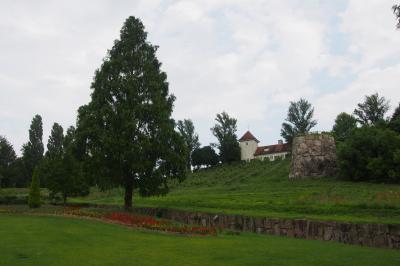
pixel 247 58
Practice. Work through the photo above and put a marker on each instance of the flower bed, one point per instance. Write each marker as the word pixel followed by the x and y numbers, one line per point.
pixel 153 224
pixel 139 221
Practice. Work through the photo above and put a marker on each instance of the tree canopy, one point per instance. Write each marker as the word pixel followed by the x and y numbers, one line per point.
pixel 372 110
pixel 127 129
pixel 55 142
pixel 300 120
pixel 344 124
pixel 204 156
pixel 225 132
pixel 370 153
pixel 7 159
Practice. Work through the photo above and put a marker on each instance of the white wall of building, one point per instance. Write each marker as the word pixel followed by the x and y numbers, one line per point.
pixel 247 149
pixel 273 156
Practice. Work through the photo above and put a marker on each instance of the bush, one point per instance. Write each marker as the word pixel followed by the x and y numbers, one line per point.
pixel 34 192
pixel 370 153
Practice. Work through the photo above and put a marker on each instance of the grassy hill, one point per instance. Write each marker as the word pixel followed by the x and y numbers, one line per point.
pixel 263 189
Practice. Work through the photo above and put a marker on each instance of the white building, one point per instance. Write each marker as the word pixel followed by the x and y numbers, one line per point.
pixel 250 150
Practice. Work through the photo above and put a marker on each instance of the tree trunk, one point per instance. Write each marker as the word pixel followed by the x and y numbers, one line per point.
pixel 128 194
pixel 65 199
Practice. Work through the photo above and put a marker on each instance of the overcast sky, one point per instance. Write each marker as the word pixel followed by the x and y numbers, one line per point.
pixel 248 58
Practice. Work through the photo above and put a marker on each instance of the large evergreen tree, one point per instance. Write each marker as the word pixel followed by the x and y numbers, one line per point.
pixel 372 110
pixel 186 129
pixel 32 152
pixel 7 159
pixel 225 131
pixel 127 129
pixel 300 120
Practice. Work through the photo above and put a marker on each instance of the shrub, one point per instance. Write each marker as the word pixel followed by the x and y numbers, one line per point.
pixel 370 153
pixel 34 192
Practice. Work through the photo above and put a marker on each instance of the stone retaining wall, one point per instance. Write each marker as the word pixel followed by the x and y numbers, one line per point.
pixel 373 235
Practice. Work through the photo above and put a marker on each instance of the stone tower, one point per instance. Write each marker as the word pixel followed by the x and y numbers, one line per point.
pixel 248 146
pixel 313 155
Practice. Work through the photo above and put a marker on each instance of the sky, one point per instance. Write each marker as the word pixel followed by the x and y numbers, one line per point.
pixel 249 58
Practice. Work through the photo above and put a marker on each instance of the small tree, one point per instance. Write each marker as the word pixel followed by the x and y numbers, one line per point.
pixel 300 120
pixel 204 156
pixel 372 110
pixel 344 124
pixel 186 129
pixel 225 131
pixel 34 191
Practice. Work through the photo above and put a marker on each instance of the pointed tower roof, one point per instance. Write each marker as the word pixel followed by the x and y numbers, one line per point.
pixel 248 136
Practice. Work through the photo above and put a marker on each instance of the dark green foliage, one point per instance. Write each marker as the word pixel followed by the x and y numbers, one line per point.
pixel 372 110
pixel 204 156
pixel 60 168
pixel 225 131
pixel 396 11
pixel 370 153
pixel 186 129
pixel 19 173
pixel 32 152
pixel 7 159
pixel 126 130
pixel 55 143
pixel 344 125
pixel 394 122
pixel 300 118
pixel 34 191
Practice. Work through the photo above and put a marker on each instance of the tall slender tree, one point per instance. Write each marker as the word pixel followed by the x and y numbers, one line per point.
pixel 32 152
pixel 225 131
pixel 186 129
pixel 300 120
pixel 127 129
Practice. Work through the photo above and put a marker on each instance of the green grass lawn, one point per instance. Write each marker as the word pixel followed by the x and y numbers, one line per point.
pixel 35 240
pixel 263 189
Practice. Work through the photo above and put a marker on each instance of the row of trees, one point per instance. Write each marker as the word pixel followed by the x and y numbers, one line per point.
pixel 124 136
pixel 368 142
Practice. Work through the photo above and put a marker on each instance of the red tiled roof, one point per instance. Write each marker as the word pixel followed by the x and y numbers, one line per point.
pixel 248 136
pixel 272 149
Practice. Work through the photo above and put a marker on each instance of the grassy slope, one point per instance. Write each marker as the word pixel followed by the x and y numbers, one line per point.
pixel 263 189
pixel 37 240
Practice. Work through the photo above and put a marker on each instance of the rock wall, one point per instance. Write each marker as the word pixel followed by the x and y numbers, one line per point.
pixel 313 155
pixel 373 235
